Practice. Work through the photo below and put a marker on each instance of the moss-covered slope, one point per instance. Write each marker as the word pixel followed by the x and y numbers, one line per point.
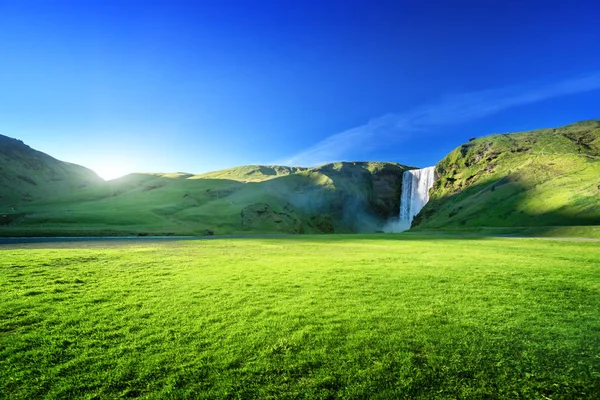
pixel 548 177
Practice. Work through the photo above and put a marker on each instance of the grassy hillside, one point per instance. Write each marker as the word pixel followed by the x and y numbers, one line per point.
pixel 340 197
pixel 543 178
pixel 314 317
pixel 27 175
pixel 530 182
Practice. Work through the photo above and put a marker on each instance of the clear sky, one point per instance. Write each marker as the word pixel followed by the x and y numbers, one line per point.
pixel 199 85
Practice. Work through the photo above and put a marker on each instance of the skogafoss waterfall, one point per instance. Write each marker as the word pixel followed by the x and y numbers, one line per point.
pixel 415 193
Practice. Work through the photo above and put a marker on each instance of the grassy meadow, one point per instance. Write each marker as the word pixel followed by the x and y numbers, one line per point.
pixel 345 316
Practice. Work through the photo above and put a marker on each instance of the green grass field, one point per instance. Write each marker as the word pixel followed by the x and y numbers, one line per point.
pixel 378 316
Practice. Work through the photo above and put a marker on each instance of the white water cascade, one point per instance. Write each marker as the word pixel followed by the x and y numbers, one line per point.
pixel 415 193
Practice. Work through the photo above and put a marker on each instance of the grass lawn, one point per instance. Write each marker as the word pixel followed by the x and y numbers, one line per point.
pixel 378 316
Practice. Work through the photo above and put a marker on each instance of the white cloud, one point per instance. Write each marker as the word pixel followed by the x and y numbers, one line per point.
pixel 450 110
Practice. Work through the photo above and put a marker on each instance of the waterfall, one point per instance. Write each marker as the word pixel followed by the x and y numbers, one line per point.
pixel 415 193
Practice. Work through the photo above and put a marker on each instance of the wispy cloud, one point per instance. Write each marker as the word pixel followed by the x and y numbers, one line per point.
pixel 449 110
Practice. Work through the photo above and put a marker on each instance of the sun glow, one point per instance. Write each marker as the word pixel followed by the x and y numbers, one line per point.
pixel 113 170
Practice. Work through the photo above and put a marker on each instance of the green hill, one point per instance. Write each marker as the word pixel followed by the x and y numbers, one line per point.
pixel 27 175
pixel 340 197
pixel 542 178
pixel 528 182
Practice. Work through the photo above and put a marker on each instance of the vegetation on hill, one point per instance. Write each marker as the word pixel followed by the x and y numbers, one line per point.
pixel 340 197
pixel 545 179
pixel 27 175
pixel 541 178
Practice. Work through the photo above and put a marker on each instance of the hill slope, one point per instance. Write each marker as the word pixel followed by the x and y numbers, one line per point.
pixel 340 197
pixel 28 175
pixel 541 178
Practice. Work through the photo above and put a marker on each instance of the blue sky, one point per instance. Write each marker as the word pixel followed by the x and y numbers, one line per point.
pixel 195 86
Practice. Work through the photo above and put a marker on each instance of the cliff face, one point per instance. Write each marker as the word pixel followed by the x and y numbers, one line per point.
pixel 377 185
pixel 340 197
pixel 27 174
pixel 387 189
pixel 547 177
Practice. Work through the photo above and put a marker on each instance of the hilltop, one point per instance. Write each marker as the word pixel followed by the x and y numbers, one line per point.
pixel 541 178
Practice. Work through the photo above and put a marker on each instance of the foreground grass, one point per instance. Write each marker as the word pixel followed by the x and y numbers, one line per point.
pixel 388 316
